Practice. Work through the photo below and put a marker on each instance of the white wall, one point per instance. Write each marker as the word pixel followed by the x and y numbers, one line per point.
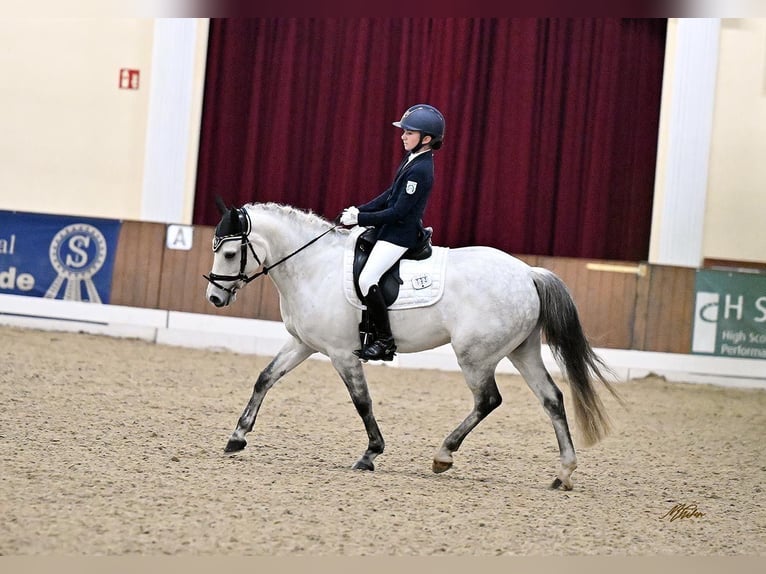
pixel 735 218
pixel 72 142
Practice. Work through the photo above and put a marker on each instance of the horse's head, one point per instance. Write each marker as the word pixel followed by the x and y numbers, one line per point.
pixel 232 267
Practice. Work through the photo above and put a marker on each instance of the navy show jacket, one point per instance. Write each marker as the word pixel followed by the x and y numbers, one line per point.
pixel 397 213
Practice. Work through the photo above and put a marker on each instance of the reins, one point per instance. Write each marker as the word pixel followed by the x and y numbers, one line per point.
pixel 266 269
pixel 245 243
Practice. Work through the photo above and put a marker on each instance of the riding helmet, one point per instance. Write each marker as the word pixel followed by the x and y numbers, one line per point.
pixel 425 119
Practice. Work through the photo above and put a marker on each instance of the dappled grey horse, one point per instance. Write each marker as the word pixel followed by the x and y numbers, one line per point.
pixel 493 306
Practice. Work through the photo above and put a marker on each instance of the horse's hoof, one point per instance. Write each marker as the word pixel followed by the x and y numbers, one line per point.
pixel 235 445
pixel 559 484
pixel 440 466
pixel 363 465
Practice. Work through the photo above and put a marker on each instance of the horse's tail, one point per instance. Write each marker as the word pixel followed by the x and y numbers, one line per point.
pixel 581 365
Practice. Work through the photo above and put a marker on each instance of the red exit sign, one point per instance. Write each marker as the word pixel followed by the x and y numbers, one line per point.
pixel 129 79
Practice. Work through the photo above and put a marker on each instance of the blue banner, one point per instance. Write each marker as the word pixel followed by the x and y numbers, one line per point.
pixel 57 257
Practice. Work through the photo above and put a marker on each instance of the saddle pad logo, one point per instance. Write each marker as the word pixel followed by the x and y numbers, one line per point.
pixel 411 187
pixel 421 282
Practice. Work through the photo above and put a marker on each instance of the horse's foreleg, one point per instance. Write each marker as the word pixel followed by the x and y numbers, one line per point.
pixel 486 398
pixel 350 370
pixel 528 361
pixel 292 354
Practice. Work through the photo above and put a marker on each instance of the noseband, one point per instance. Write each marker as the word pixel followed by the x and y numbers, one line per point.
pixel 243 237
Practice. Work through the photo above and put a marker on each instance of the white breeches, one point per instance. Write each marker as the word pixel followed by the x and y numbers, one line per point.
pixel 382 258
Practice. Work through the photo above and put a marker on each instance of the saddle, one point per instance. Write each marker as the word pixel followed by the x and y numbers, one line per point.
pixel 390 282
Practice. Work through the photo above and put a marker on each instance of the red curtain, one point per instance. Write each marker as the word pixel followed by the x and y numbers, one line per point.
pixel 551 135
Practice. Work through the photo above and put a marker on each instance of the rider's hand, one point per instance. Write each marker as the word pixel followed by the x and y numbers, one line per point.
pixel 350 216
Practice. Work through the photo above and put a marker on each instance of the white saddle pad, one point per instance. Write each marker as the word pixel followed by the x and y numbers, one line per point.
pixel 423 281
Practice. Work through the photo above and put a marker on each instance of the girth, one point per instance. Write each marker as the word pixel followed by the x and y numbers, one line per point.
pixel 391 280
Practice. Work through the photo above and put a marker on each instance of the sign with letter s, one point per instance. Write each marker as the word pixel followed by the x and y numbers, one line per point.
pixel 57 257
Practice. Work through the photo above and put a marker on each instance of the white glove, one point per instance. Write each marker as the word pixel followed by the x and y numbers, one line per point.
pixel 350 216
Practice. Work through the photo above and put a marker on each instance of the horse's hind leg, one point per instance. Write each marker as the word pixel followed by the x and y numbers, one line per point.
pixel 292 354
pixel 486 398
pixel 527 359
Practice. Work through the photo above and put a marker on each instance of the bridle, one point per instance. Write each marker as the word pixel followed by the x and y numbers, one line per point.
pixel 244 239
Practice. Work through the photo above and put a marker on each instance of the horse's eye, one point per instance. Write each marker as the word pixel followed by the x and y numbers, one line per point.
pixel 229 255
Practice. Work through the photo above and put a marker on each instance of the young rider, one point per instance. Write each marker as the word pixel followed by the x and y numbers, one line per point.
pixel 397 215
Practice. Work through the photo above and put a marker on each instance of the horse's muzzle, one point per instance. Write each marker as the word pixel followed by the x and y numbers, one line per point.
pixel 217 301
pixel 220 297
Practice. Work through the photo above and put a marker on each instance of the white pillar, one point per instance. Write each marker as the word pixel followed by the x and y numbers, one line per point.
pixel 686 121
pixel 173 124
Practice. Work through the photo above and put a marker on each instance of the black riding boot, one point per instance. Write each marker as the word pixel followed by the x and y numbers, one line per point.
pixel 383 347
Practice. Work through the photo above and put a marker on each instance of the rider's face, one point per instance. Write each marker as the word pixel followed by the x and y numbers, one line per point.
pixel 411 139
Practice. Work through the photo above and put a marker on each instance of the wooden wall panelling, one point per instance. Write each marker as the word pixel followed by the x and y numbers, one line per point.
pixel 622 310
pixel 600 291
pixel 569 272
pixel 685 299
pixel 138 265
pixel 641 309
pixel 656 333
pixel 257 300
pixel 616 300
pixel 182 286
pixel 604 296
pixel 669 310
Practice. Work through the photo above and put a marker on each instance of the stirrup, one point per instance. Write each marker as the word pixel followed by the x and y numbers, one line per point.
pixel 377 351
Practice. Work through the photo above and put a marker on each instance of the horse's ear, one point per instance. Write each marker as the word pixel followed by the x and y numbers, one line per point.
pixel 220 205
pixel 234 218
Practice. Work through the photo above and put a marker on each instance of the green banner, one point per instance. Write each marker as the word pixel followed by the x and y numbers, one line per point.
pixel 730 314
